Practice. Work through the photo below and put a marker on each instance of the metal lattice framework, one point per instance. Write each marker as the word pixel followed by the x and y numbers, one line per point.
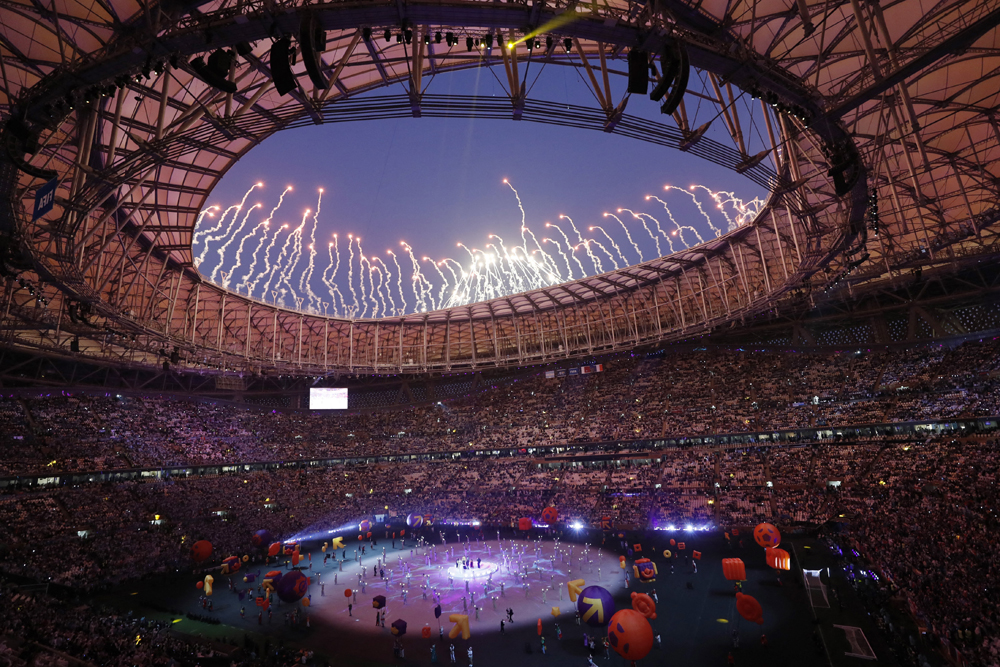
pixel 904 94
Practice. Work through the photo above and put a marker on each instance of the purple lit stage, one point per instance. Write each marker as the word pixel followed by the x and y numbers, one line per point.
pixel 528 577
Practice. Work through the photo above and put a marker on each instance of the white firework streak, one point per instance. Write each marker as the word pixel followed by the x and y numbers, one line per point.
pixel 718 205
pixel 277 265
pixel 201 215
pixel 200 258
pixel 444 281
pixel 604 250
pixel 680 227
pixel 212 230
pixel 524 226
pixel 627 234
pixel 267 220
pixel 660 230
pixel 708 218
pixel 306 277
pixel 388 286
pixel 361 280
pixel 399 280
pixel 745 211
pixel 334 290
pixel 593 258
pixel 378 290
pixel 267 264
pixel 350 272
pixel 239 252
pixel 613 244
pixel 569 268
pixel 645 226
pixel 550 262
pixel 293 257
pixel 418 280
pixel 326 282
pixel 670 215
pixel 517 284
pixel 209 239
pixel 579 236
pixel 560 251
pixel 221 252
pixel 454 292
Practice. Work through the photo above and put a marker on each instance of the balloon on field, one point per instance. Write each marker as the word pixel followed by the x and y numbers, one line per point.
pixel 733 569
pixel 596 605
pixel 630 634
pixel 201 551
pixel 415 520
pixel 766 535
pixel 749 608
pixel 292 586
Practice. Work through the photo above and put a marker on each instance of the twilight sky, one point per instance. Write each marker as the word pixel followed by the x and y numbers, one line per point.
pixel 437 182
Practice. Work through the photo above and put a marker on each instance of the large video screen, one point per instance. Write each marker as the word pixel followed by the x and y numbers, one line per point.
pixel 323 398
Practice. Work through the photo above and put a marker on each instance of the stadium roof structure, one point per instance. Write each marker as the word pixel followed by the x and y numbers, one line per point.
pixel 879 143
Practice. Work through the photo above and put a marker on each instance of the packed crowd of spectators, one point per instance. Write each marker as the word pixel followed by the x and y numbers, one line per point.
pixel 921 509
pixel 637 397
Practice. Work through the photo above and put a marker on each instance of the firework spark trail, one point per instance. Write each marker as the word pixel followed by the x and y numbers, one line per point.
pixel 388 283
pixel 399 280
pixel 239 252
pixel 604 250
pixel 646 227
pixel 378 290
pixel 293 257
pixel 613 244
pixel 238 207
pixel 524 225
pixel 208 211
pixel 267 220
pixel 745 211
pixel 457 282
pixel 717 198
pixel 350 273
pixel 579 236
pixel 221 252
pixel 659 229
pixel 593 258
pixel 306 278
pixel 582 241
pixel 549 262
pixel 420 284
pixel 361 280
pixel 697 203
pixel 270 215
pixel 201 258
pixel 267 264
pixel 627 234
pixel 444 281
pixel 560 251
pixel 334 290
pixel 569 268
pixel 275 270
pixel 324 279
pixel 517 283
pixel 679 232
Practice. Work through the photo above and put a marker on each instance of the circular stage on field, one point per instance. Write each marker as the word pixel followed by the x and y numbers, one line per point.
pixel 481 579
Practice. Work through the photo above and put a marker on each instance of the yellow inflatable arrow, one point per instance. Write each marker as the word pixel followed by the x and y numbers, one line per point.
pixel 574 587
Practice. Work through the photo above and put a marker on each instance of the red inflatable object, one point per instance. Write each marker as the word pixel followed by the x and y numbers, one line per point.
pixel 749 608
pixel 630 634
pixel 766 535
pixel 733 569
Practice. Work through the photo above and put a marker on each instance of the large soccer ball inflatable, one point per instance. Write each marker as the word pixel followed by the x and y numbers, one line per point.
pixel 766 535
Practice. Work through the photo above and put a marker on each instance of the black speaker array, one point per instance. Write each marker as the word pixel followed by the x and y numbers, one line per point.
pixel 638 72
pixel 281 66
pixel 674 80
pixel 312 40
